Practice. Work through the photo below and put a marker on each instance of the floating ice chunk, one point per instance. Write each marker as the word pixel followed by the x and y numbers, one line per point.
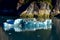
pixel 10 21
pixel 49 23
pixel 17 25
pixel 41 25
pixel 26 25
pixel 17 21
pixel 34 29
pixel 34 22
pixel 17 29
pixel 37 25
pixel 32 25
pixel 45 24
pixel 7 26
pixel 34 19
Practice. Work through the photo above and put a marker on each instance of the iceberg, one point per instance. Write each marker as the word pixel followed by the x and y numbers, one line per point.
pixel 17 25
pixel 27 25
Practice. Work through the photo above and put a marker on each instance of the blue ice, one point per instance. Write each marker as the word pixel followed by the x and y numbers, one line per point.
pixel 29 25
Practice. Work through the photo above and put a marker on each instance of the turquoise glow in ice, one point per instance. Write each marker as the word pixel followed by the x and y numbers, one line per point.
pixel 27 24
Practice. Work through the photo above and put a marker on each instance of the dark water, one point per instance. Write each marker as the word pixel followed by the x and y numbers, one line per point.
pixel 35 35
pixel 29 35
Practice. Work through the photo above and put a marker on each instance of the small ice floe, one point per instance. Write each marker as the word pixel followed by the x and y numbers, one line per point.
pixel 17 29
pixel 7 26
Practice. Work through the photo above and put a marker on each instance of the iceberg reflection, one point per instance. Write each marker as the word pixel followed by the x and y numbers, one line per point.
pixel 27 24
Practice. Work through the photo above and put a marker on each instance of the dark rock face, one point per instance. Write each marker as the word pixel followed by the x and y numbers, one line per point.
pixel 54 3
pixel 8 7
pixel 57 16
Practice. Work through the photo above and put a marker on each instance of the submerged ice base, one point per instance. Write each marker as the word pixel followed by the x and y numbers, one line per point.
pixel 27 25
